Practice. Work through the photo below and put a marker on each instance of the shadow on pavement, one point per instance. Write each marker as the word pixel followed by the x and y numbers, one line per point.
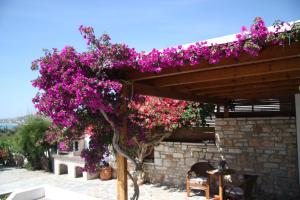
pixel 5 168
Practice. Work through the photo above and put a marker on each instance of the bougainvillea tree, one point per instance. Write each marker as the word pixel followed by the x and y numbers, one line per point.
pixel 78 90
pixel 146 116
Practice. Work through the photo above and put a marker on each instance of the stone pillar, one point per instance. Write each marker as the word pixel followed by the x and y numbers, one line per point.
pixel 56 167
pixel 297 106
pixel 71 170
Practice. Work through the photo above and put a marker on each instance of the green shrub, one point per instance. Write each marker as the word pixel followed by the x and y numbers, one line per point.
pixel 4 196
pixel 6 151
pixel 30 141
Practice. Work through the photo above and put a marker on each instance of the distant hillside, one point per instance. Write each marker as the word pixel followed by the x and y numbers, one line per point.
pixel 15 120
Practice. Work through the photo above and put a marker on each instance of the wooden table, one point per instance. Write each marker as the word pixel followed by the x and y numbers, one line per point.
pixel 220 173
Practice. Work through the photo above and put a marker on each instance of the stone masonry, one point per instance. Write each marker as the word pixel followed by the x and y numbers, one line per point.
pixel 262 146
pixel 172 160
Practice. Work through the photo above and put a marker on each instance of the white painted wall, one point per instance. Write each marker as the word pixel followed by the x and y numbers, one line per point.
pixel 48 192
pixel 87 140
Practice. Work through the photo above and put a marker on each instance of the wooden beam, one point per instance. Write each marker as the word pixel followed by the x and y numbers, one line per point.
pixel 122 188
pixel 268 54
pixel 253 97
pixel 257 91
pixel 258 102
pixel 226 112
pixel 280 66
pixel 173 94
pixel 254 87
pixel 285 76
pixel 256 114
pixel 263 101
pixel 259 94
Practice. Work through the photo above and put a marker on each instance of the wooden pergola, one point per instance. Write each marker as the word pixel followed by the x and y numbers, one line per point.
pixel 274 74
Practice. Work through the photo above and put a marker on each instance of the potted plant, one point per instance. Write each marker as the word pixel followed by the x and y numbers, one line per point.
pixel 105 170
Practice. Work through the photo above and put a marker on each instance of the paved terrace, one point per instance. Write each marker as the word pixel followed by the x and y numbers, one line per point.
pixel 12 178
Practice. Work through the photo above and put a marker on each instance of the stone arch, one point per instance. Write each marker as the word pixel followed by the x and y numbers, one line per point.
pixel 63 169
pixel 78 172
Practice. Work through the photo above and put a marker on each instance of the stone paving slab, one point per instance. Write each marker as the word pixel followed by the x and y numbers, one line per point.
pixel 12 178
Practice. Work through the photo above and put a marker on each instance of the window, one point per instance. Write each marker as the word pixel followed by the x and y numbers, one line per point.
pixel 76 146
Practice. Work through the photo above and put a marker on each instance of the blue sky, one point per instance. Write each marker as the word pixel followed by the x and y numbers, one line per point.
pixel 28 26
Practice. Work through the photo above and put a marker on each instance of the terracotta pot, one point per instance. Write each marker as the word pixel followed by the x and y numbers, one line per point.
pixel 105 173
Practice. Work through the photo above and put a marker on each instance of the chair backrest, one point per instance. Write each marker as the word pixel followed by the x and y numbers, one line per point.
pixel 200 168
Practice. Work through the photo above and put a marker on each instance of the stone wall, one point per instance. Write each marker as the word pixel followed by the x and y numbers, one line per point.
pixel 263 146
pixel 172 160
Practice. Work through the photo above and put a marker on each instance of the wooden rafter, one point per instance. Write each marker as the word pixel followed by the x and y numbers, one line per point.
pixel 281 66
pixel 275 73
pixel 263 93
pixel 240 88
pixel 167 93
pixel 261 79
pixel 271 53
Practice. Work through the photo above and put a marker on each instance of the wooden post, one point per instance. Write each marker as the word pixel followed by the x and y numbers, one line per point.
pixel 122 188
pixel 226 112
pixel 297 105
pixel 221 192
pixel 122 178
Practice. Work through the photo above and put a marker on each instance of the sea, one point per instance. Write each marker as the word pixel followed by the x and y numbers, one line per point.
pixel 8 125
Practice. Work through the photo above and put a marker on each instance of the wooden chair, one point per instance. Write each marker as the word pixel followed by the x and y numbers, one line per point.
pixel 197 178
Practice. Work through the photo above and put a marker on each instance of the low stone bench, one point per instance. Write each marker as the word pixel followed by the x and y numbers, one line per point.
pixel 71 165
